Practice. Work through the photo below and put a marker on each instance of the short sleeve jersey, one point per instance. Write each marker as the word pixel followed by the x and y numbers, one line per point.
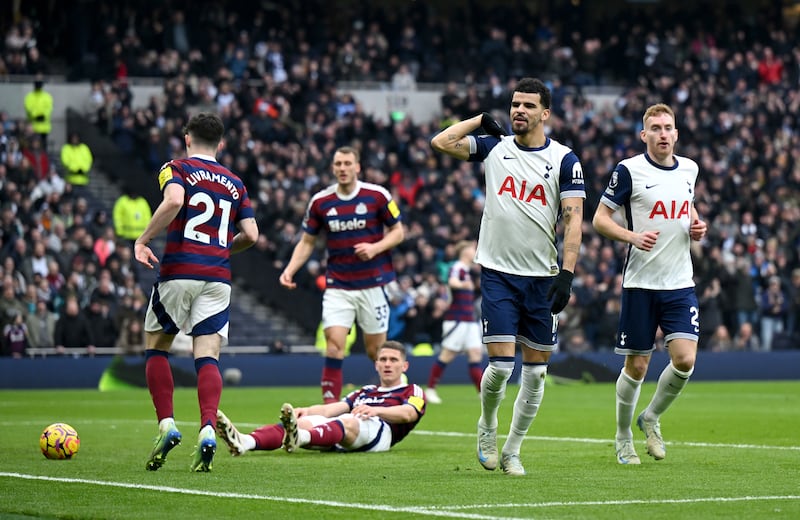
pixel 656 198
pixel 524 188
pixel 359 217
pixel 373 395
pixel 199 239
pixel 462 306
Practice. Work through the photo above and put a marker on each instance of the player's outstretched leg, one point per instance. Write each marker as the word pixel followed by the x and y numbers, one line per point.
pixel 228 433
pixel 289 422
pixel 168 438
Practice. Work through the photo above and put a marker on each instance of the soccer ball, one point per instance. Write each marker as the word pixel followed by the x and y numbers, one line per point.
pixel 59 441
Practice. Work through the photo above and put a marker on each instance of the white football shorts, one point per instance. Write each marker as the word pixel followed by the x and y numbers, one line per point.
pixel 368 307
pixel 460 336
pixel 373 434
pixel 195 307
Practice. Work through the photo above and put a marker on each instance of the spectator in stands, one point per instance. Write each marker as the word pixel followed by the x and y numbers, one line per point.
pixel 18 277
pixel 721 340
pixel 353 215
pixel 131 213
pixel 131 338
pixel 77 159
pixel 41 326
pixel 745 339
pixel 793 319
pixel 104 331
pixel 10 305
pixel 39 110
pixel 774 308
pixel 15 337
pixel 38 159
pixel 72 329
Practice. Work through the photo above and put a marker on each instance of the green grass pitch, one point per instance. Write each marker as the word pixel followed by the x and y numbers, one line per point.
pixel 733 451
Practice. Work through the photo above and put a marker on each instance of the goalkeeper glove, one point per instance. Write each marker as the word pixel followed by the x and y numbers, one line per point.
pixel 560 290
pixel 490 126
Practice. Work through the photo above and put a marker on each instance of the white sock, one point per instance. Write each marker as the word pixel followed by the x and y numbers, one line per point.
pixel 628 390
pixel 303 437
pixel 493 390
pixel 670 383
pixel 166 424
pixel 248 442
pixel 526 406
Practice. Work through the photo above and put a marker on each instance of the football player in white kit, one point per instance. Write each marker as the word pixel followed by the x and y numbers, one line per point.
pixel 530 179
pixel 656 191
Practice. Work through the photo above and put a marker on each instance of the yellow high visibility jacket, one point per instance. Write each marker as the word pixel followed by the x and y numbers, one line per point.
pixel 131 216
pixel 77 161
pixel 39 109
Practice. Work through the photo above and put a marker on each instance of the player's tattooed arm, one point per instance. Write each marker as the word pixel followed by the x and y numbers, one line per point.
pixel 453 140
pixel 572 213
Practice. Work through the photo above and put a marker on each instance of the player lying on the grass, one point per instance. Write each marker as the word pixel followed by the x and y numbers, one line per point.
pixel 372 418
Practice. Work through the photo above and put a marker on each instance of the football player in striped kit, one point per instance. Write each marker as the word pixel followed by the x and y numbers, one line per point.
pixel 207 214
pixel 460 331
pixel 362 223
pixel 373 418
pixel 655 192
pixel 530 180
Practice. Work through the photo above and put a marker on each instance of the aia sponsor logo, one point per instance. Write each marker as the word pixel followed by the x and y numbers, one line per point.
pixel 670 210
pixel 524 192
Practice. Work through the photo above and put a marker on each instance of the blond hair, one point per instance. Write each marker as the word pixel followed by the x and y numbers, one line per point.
pixel 654 110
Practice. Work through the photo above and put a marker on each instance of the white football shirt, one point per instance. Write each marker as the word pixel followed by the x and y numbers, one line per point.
pixel 656 198
pixel 524 188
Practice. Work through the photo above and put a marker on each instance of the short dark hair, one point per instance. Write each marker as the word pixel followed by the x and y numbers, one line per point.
pixel 394 345
pixel 206 129
pixel 535 86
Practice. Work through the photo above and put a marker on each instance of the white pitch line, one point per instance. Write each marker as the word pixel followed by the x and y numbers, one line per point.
pixel 582 440
pixel 436 511
pixel 606 441
pixel 625 502
pixel 289 500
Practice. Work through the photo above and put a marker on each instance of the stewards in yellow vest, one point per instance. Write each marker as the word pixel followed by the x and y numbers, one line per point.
pixel 39 110
pixel 76 158
pixel 131 214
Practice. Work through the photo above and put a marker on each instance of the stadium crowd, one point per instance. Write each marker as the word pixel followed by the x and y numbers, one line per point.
pixel 277 80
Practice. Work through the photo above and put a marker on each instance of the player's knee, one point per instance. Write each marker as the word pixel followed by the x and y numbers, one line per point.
pixel 352 428
pixel 684 362
pixel 498 373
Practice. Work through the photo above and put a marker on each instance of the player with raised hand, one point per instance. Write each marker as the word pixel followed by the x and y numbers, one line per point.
pixel 530 180
pixel 655 189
